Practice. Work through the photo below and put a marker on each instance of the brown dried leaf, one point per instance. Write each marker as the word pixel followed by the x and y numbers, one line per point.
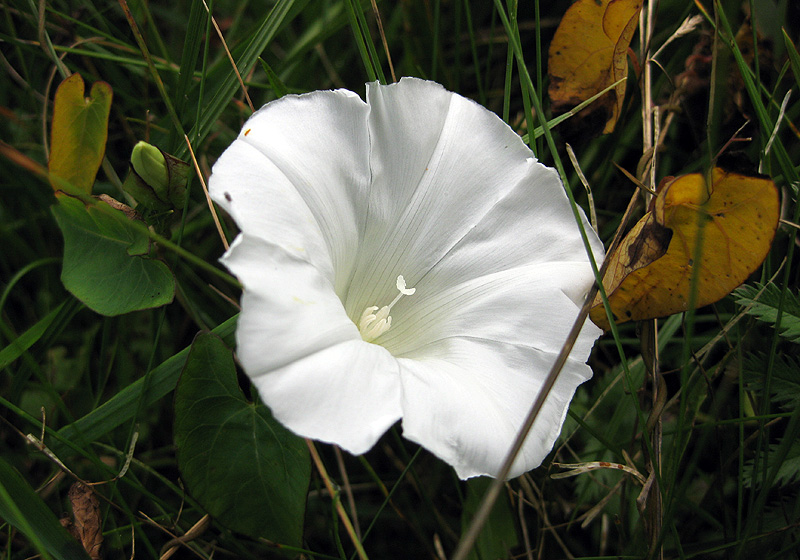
pixel 85 526
pixel 129 212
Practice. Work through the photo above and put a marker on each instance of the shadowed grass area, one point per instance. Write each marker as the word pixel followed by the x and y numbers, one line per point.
pixel 682 445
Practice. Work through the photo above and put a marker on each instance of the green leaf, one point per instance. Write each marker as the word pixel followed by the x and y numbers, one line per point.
pixel 788 469
pixel 105 265
pixel 499 534
pixel 79 133
pixel 278 87
pixel 794 56
pixel 27 339
pixel 246 469
pixel 24 509
pixel 765 307
pixel 281 13
pixel 122 407
pixel 785 382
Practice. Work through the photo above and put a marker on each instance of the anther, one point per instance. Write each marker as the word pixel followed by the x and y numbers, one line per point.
pixel 374 322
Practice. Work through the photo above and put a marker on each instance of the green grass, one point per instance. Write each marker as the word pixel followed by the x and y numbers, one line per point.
pixel 714 427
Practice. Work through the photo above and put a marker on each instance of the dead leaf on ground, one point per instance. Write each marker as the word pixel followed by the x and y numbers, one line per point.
pixel 650 273
pixel 589 53
pixel 85 525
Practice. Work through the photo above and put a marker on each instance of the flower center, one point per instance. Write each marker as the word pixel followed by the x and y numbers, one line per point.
pixel 374 322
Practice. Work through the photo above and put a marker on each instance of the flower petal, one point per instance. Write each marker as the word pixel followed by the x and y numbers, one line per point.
pixel 532 223
pixel 305 356
pixel 532 306
pixel 298 175
pixel 347 394
pixel 440 163
pixel 289 308
pixel 466 399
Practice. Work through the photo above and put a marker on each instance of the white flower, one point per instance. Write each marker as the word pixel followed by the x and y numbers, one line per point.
pixel 342 205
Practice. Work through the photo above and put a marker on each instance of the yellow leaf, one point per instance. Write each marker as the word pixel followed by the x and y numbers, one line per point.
pixel 589 53
pixel 650 273
pixel 78 135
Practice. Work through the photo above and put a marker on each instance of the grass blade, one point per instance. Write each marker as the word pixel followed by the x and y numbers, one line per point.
pixel 25 510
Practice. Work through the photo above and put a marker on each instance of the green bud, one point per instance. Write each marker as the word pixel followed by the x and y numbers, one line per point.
pixel 157 180
pixel 150 164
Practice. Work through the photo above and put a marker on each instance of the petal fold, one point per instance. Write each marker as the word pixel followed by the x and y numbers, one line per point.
pixel 347 394
pixel 525 306
pixel 465 401
pixel 297 176
pixel 305 355
pixel 440 163
pixel 289 308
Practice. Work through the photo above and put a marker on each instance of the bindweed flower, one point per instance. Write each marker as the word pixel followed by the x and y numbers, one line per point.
pixel 404 258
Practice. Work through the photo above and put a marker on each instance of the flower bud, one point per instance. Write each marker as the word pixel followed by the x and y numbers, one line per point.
pixel 157 180
pixel 149 163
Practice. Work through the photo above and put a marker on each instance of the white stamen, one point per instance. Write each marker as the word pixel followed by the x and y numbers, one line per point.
pixel 372 324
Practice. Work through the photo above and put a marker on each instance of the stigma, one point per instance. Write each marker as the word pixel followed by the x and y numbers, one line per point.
pixel 374 322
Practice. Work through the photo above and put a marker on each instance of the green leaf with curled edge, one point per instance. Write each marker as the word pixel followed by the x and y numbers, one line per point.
pixel 237 461
pixel 106 265
pixel 78 134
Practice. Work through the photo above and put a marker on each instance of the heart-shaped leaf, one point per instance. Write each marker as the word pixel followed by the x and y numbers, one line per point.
pixel 105 261
pixel 79 132
pixel 246 470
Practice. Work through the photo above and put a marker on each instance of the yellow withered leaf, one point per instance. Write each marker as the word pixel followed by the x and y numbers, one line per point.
pixel 589 53
pixel 650 273
pixel 79 133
